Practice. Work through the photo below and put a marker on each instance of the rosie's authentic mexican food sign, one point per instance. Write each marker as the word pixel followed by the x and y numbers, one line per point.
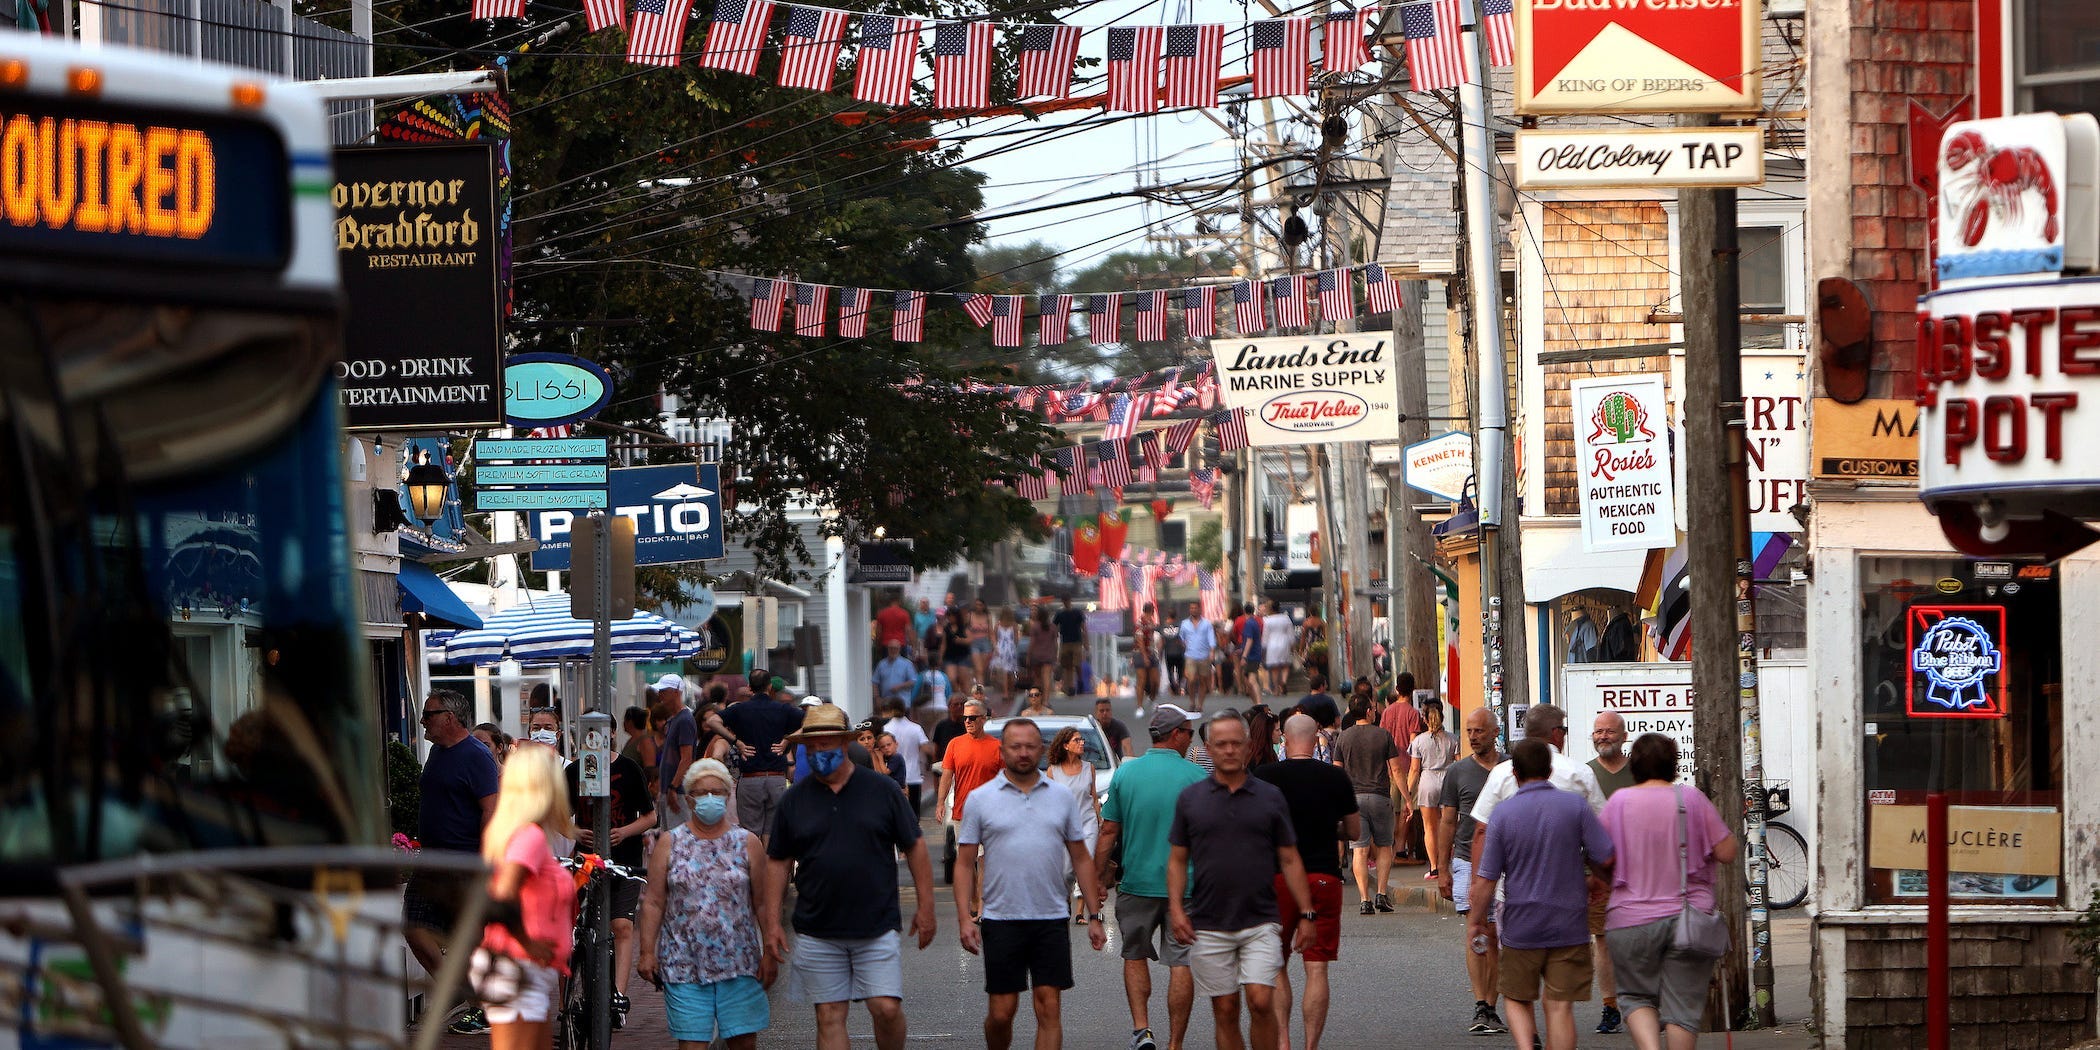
pixel 1622 463
pixel 417 237
pixel 1312 390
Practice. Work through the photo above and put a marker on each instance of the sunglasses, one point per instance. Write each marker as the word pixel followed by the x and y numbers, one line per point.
pixel 432 712
pixel 973 718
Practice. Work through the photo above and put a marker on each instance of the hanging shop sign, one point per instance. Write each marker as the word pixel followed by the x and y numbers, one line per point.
pixel 1652 698
pixel 1440 466
pixel 1987 840
pixel 677 512
pixel 1639 157
pixel 1775 408
pixel 1872 440
pixel 1622 461
pixel 882 563
pixel 546 390
pixel 1613 56
pixel 416 239
pixel 1312 390
pixel 2017 196
pixel 1957 661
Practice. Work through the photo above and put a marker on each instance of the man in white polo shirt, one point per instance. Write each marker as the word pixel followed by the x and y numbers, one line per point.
pixel 1028 827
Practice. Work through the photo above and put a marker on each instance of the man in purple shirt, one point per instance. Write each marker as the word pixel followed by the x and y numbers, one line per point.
pixel 1543 840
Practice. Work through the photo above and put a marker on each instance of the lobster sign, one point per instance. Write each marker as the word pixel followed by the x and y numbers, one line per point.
pixel 2005 204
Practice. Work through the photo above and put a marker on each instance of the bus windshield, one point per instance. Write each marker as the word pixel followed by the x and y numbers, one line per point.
pixel 177 657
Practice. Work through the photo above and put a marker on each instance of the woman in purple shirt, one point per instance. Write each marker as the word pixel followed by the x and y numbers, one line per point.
pixel 1658 985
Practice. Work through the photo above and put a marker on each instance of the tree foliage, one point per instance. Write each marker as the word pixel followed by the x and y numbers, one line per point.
pixel 638 195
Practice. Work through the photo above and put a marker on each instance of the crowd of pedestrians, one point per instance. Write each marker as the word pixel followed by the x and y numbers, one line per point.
pixel 1229 845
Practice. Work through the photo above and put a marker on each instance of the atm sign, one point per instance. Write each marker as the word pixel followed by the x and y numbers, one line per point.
pixel 126 184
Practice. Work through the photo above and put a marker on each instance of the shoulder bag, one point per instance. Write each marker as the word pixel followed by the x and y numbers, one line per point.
pixel 1698 932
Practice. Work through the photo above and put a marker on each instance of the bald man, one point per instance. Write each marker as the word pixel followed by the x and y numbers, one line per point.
pixel 1324 815
pixel 1463 782
pixel 1613 770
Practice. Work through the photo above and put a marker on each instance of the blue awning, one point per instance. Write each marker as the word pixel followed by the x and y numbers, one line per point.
pixel 423 592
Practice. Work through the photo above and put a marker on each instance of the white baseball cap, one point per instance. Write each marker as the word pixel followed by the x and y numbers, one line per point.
pixel 814 700
pixel 670 681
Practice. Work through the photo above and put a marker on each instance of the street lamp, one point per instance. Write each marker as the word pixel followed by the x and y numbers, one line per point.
pixel 426 489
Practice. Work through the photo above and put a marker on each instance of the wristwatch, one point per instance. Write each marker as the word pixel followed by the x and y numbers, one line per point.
pixel 1309 916
pixel 1092 917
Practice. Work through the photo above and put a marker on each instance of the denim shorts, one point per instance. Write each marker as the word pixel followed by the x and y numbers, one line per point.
pixel 513 990
pixel 701 1013
pixel 821 971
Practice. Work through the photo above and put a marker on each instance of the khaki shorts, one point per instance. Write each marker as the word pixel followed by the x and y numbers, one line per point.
pixel 1565 972
pixel 1069 655
pixel 1597 910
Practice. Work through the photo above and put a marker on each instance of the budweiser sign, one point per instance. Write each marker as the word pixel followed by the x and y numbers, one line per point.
pixel 1637 56
pixel 1311 389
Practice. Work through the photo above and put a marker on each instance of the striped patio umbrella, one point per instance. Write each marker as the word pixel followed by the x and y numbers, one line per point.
pixel 543 632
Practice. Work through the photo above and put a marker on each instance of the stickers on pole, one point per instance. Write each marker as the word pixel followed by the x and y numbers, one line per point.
pixel 1622 463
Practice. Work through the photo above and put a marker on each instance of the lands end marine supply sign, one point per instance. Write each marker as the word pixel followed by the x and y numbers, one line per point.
pixel 1622 463
pixel 1637 56
pixel 1312 390
pixel 416 235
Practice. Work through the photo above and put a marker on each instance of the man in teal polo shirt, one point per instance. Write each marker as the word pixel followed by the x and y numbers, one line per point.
pixel 1139 809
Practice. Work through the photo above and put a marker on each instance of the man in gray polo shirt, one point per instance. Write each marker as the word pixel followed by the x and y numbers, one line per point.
pixel 1028 828
pixel 1238 831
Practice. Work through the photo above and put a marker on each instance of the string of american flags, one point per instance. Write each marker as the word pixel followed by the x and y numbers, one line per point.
pixel 1147 68
pixel 1257 305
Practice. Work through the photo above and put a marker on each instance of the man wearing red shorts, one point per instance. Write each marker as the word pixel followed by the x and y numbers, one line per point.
pixel 1324 815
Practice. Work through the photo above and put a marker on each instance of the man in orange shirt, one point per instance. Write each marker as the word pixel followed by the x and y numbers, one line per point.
pixel 971 760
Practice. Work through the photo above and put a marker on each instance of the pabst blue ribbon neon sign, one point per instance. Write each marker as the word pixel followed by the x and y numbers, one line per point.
pixel 1958 652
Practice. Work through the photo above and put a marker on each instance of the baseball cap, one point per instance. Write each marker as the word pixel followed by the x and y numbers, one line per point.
pixel 1166 718
pixel 670 681
pixel 812 700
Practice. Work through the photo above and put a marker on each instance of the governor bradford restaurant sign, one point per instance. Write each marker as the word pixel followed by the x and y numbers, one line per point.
pixel 416 237
pixel 1622 463
pixel 1312 390
pixel 1637 56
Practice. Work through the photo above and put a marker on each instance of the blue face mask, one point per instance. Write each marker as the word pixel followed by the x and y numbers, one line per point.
pixel 710 808
pixel 825 763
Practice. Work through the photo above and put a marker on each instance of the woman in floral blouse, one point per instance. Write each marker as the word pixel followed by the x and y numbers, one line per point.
pixel 700 921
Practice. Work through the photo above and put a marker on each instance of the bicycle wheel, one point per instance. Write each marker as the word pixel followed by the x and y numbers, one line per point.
pixel 1786 867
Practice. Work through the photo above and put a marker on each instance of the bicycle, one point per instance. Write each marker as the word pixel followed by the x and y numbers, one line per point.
pixel 572 1029
pixel 1786 853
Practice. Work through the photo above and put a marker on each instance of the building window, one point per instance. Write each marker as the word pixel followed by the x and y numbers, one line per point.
pixel 2058 56
pixel 1761 281
pixel 1961 666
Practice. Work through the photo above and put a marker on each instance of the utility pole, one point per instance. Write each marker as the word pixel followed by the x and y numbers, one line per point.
pixel 1501 623
pixel 1406 534
pixel 1717 530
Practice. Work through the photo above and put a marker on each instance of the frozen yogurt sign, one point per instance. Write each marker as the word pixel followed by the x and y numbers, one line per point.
pixel 1312 390
pixel 1637 56
pixel 1622 462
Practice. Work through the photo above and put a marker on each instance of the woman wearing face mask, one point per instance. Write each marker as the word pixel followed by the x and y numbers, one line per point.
pixel 543 726
pixel 700 938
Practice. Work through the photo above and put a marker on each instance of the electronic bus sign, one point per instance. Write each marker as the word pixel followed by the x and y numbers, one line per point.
pixel 101 183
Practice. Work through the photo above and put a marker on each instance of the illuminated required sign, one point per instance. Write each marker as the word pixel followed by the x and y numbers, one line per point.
pixel 141 185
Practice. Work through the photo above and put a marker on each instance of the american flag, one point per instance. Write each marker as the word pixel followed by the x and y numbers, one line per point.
pixel 977 305
pixel 1193 56
pixel 1502 36
pixel 1203 484
pixel 1152 317
pixel 1148 448
pixel 1231 428
pixel 1031 484
pixel 1144 579
pixel 602 14
pixel 809 48
pixel 1168 388
pixel 908 316
pixel 1279 49
pixel 1166 402
pixel 1079 403
pixel 1115 590
pixel 1122 422
pixel 1213 596
pixel 1199 311
pixel 658 36
pixel 962 65
pixel 1115 466
pixel 1056 326
pixel 1434 57
pixel 1133 68
pixel 1247 314
pixel 1289 293
pixel 1337 295
pixel 1381 292
pixel 810 303
pixel 1066 462
pixel 853 312
pixel 1347 49
pixel 889 47
pixel 736 39
pixel 1047 54
pixel 768 298
pixel 1104 323
pixel 499 9
pixel 1180 436
pixel 1007 314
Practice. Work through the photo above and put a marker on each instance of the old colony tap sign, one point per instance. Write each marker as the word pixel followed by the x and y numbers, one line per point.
pixel 1622 463
pixel 2009 346
pixel 1312 390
